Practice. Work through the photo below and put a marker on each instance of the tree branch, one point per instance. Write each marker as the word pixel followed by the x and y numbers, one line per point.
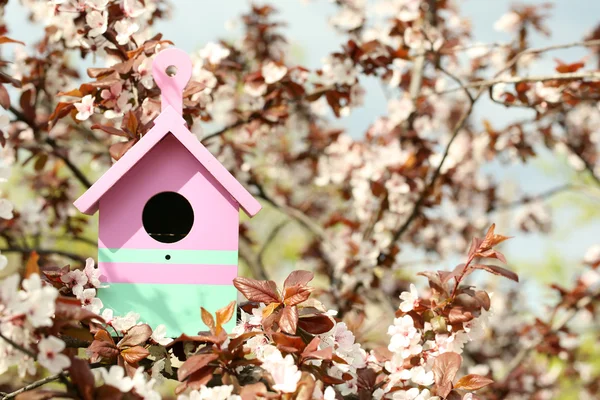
pixel 18 346
pixel 56 150
pixel 34 385
pixel 519 79
pixel 526 199
pixel 416 208
pixel 257 115
pixel 67 254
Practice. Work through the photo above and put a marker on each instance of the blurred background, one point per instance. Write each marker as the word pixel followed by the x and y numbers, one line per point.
pixel 538 257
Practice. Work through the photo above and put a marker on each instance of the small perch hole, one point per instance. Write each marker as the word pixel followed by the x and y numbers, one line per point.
pixel 171 70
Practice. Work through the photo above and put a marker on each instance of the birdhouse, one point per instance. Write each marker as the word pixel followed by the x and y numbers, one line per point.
pixel 168 218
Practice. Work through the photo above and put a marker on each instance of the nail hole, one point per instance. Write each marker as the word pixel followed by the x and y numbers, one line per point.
pixel 171 70
pixel 168 257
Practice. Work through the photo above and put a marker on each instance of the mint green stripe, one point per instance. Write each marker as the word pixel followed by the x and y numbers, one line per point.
pixel 175 306
pixel 158 256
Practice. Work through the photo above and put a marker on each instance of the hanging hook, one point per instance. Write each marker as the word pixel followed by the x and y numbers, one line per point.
pixel 172 70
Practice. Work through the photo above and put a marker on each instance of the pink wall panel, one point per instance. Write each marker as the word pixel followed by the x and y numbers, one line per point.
pixel 168 167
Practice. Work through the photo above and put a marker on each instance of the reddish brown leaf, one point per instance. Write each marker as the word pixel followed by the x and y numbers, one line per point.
pixel 4 98
pixel 62 110
pixel 456 272
pixel 260 291
pixel 104 349
pixel 252 391
pixel 289 320
pixel 473 382
pixel 491 239
pixel 107 392
pixel 224 315
pixel 82 377
pixel 5 39
pixel 269 309
pixel 323 354
pixel 136 336
pixel 483 298
pixel 118 149
pixel 111 130
pixel 208 320
pixel 194 364
pixel 134 354
pixel 316 324
pixel 445 367
pixel 496 270
pixel 130 123
pixel 296 294
pixel 239 340
pixel 566 68
pixel 298 278
pixel 459 315
pixel 292 344
pixel 199 378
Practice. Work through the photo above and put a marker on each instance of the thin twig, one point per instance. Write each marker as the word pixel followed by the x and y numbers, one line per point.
pixel 522 79
pixel 257 115
pixel 67 254
pixel 270 238
pixel 41 382
pixel 539 50
pixel 589 167
pixel 59 152
pixel 34 385
pixel 18 346
pixel 527 350
pixel 527 199
pixel 247 254
pixel 56 149
pixel 417 206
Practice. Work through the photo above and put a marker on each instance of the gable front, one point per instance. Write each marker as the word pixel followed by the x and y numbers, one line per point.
pixel 168 167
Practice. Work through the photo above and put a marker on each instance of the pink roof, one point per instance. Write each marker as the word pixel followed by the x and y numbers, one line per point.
pixel 163 125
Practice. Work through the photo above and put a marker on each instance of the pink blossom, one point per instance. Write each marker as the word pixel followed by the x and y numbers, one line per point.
pixel 85 108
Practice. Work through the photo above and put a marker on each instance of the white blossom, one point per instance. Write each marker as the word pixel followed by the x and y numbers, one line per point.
pixel 405 338
pixel 214 53
pixel 272 72
pixel 125 323
pixel 223 392
pixel 89 300
pixel 508 22
pixel 3 262
pixel 347 19
pixel 38 301
pixel 98 21
pixel 49 355
pixel 115 377
pixel 336 71
pixel 409 299
pixel 6 209
pixel 92 273
pixel 159 335
pixel 124 30
pixel 283 370
pixel 400 109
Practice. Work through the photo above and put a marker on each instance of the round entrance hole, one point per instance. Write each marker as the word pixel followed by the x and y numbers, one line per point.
pixel 168 217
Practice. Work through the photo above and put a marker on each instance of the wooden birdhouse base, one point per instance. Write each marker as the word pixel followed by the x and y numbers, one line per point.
pixel 176 306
